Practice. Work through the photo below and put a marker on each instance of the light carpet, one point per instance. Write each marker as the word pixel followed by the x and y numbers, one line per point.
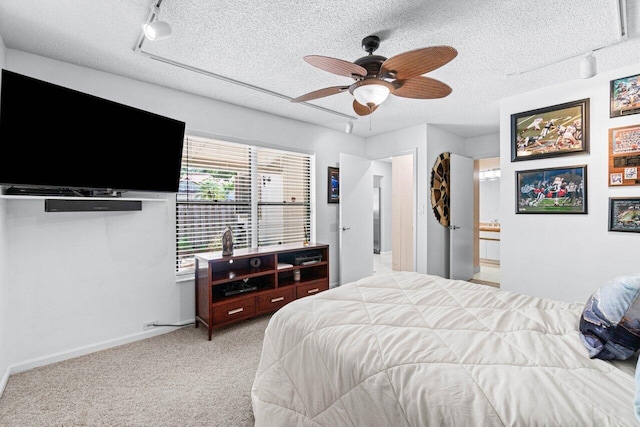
pixel 175 379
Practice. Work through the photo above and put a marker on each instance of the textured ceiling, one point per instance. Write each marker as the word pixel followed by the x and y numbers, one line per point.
pixel 262 44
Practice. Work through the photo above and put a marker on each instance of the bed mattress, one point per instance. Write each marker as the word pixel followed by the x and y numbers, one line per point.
pixel 409 349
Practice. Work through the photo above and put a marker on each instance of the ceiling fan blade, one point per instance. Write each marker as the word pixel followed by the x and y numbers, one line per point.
pixel 320 93
pixel 417 62
pixel 363 110
pixel 336 66
pixel 422 87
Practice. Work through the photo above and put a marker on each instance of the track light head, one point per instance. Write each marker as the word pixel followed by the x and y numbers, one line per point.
pixel 349 127
pixel 156 29
pixel 588 67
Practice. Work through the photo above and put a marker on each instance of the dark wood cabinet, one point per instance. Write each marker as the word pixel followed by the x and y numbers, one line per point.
pixel 256 281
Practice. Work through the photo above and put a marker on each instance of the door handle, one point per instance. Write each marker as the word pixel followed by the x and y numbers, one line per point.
pixel 346 228
pixel 453 227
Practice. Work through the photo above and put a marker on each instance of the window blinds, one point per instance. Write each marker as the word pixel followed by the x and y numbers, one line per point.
pixel 262 194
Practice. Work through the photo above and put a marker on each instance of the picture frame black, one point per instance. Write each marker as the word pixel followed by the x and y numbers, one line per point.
pixel 624 214
pixel 624 96
pixel 559 190
pixel 333 185
pixel 553 131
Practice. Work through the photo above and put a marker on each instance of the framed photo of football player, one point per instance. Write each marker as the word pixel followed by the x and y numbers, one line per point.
pixel 624 96
pixel 554 131
pixel 561 190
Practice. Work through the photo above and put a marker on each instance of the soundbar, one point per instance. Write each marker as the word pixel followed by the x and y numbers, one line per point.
pixel 65 205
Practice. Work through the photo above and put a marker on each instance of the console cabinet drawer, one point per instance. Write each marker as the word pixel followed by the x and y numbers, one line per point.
pixel 311 288
pixel 238 309
pixel 273 300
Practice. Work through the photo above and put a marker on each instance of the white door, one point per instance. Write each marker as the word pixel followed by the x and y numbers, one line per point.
pixel 356 221
pixel 461 218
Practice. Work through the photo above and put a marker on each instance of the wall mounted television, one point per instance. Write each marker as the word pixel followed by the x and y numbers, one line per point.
pixel 56 137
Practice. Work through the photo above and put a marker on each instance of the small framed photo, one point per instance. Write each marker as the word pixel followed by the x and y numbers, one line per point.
pixel 554 131
pixel 615 179
pixel 560 190
pixel 333 185
pixel 624 96
pixel 624 214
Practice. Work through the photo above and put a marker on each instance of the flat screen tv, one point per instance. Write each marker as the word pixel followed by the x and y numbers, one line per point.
pixel 55 137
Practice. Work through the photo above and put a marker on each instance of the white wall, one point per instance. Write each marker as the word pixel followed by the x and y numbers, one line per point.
pixel 382 170
pixel 489 200
pixel 4 283
pixel 482 147
pixel 81 281
pixel 566 257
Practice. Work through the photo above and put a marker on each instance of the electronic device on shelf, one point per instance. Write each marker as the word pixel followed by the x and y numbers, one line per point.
pixel 236 288
pixel 41 191
pixel 307 259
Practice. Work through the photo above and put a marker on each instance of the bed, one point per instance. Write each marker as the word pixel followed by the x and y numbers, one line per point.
pixel 409 349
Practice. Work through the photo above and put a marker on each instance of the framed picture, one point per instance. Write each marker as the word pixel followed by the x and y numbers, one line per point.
pixel 560 190
pixel 624 214
pixel 624 155
pixel 550 132
pixel 333 185
pixel 624 96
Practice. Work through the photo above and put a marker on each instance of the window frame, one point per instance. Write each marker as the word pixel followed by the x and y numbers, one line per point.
pixel 254 147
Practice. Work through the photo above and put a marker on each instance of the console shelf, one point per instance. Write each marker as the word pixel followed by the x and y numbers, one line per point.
pixel 256 281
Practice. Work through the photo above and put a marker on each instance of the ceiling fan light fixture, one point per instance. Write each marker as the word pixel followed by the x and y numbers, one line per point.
pixel 372 94
pixel 156 30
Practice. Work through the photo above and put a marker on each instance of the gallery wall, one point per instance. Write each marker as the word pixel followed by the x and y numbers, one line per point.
pixel 566 256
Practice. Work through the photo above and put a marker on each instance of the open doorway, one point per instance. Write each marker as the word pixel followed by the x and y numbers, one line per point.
pixel 394 214
pixel 487 219
pixel 382 179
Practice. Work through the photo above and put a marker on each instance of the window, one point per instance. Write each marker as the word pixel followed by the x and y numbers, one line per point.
pixel 263 194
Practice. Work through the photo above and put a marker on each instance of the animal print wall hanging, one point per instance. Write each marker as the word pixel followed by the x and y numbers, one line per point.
pixel 440 188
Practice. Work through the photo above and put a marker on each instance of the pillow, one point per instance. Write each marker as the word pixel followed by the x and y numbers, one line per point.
pixel 610 321
pixel 636 402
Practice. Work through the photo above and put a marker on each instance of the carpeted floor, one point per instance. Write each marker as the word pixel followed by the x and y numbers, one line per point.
pixel 176 379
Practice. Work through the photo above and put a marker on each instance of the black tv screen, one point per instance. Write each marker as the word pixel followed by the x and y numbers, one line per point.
pixel 52 136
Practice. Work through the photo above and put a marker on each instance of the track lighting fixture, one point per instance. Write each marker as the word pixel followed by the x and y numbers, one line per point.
pixel 349 127
pixel 156 29
pixel 588 66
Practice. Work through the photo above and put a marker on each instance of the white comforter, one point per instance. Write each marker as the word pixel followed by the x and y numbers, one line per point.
pixel 408 349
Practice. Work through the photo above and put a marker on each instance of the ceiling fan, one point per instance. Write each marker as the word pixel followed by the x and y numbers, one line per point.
pixel 376 76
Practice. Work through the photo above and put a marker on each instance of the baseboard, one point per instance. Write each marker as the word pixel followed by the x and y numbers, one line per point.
pixel 4 380
pixel 92 348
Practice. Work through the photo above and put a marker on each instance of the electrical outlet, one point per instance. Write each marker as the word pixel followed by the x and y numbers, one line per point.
pixel 149 325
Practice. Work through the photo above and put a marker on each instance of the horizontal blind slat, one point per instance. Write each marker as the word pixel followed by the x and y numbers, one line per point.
pixel 216 191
